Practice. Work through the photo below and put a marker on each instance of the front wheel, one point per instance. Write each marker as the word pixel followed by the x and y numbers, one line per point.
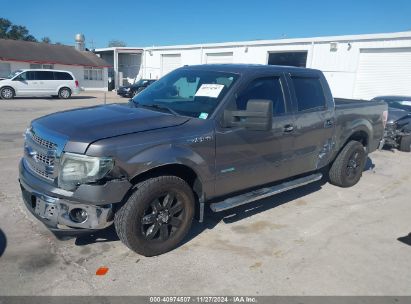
pixel 405 143
pixel 64 93
pixel 347 168
pixel 157 216
pixel 7 93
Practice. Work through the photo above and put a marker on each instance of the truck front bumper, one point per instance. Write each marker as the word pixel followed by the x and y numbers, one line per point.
pixel 68 213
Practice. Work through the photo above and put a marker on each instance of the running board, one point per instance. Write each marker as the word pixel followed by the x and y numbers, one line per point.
pixel 263 193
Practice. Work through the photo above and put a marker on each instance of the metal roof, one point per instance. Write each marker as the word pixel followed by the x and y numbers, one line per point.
pixel 35 52
pixel 326 39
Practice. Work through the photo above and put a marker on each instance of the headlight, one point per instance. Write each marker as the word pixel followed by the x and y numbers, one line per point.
pixel 76 169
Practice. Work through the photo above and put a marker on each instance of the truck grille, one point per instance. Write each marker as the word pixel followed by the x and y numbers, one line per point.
pixel 40 155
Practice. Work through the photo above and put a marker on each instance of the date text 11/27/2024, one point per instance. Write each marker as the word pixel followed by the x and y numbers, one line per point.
pixel 205 299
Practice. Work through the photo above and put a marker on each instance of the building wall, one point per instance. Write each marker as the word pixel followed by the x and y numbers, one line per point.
pixel 340 67
pixel 78 72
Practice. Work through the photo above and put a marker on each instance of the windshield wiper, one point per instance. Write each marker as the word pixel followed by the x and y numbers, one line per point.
pixel 160 107
pixel 153 106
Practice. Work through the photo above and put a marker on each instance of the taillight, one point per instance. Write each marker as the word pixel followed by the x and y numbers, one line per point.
pixel 76 83
pixel 384 118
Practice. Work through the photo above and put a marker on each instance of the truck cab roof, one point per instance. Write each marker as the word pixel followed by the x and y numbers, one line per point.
pixel 239 68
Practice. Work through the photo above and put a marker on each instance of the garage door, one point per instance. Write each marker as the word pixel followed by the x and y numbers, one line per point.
pixel 170 62
pixel 383 72
pixel 226 57
pixel 4 69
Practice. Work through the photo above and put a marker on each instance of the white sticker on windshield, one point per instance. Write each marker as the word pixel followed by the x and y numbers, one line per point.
pixel 203 115
pixel 405 103
pixel 209 90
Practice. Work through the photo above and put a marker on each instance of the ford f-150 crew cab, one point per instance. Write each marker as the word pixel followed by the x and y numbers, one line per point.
pixel 216 135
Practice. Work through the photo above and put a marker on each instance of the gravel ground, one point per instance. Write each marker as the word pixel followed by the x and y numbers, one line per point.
pixel 316 240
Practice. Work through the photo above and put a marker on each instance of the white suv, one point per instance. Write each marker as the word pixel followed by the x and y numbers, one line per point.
pixel 39 82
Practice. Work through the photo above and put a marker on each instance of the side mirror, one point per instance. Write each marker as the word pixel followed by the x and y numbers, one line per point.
pixel 18 78
pixel 258 116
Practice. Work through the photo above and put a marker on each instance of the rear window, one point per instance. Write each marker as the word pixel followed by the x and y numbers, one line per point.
pixel 44 75
pixel 309 93
pixel 62 76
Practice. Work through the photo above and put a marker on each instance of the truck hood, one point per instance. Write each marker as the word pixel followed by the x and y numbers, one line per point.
pixel 81 127
pixel 396 114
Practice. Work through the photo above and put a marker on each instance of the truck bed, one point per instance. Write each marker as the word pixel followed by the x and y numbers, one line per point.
pixel 349 112
pixel 351 102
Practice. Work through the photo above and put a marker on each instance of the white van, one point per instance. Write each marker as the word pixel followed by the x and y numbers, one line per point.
pixel 39 82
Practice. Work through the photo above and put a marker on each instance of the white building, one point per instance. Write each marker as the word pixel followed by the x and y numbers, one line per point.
pixel 356 66
pixel 90 70
pixel 125 64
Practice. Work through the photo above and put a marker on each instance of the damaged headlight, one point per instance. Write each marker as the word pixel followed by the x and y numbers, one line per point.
pixel 77 169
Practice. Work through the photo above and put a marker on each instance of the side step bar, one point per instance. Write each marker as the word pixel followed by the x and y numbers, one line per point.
pixel 263 193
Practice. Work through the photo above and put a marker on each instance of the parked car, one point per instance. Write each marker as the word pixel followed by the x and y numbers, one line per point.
pixel 398 130
pixel 39 82
pixel 137 87
pixel 222 135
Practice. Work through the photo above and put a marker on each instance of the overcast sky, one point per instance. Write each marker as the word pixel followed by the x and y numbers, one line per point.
pixel 146 23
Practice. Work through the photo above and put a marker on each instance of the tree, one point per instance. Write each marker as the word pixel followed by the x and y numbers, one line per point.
pixel 46 40
pixel 114 43
pixel 8 30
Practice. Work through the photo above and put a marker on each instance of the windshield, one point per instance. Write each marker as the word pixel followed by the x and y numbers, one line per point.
pixel 400 104
pixel 193 93
pixel 140 82
pixel 14 74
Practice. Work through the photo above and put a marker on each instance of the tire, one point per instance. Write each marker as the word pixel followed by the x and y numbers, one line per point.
pixel 7 93
pixel 64 93
pixel 147 224
pixel 347 168
pixel 405 143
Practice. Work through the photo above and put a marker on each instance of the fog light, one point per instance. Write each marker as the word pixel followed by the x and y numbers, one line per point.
pixel 78 215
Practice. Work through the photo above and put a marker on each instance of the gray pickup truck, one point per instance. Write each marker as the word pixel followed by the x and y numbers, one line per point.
pixel 216 135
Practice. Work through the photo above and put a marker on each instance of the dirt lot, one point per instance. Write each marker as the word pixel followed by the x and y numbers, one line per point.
pixel 317 240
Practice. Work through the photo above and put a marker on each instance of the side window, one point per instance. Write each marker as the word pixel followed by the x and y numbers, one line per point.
pixel 264 88
pixel 22 76
pixel 62 76
pixel 44 75
pixel 30 75
pixel 309 93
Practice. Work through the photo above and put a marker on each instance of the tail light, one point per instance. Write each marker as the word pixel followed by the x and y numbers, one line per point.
pixel 384 118
pixel 76 83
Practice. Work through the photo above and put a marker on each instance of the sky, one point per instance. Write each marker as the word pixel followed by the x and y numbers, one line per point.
pixel 154 22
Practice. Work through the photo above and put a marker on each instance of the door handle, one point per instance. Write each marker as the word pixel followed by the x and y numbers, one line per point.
pixel 328 123
pixel 288 128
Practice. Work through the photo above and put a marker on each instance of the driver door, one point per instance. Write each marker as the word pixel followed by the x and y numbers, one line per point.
pixel 25 83
pixel 248 158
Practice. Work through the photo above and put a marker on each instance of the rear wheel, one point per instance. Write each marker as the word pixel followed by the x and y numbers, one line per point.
pixel 405 143
pixel 347 168
pixel 157 216
pixel 7 93
pixel 64 93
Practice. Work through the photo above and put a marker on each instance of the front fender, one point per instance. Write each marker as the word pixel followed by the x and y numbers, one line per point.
pixel 164 155
pixel 172 154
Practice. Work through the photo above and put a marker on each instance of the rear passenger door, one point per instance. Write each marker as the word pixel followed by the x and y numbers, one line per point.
pixel 246 158
pixel 313 126
pixel 46 83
